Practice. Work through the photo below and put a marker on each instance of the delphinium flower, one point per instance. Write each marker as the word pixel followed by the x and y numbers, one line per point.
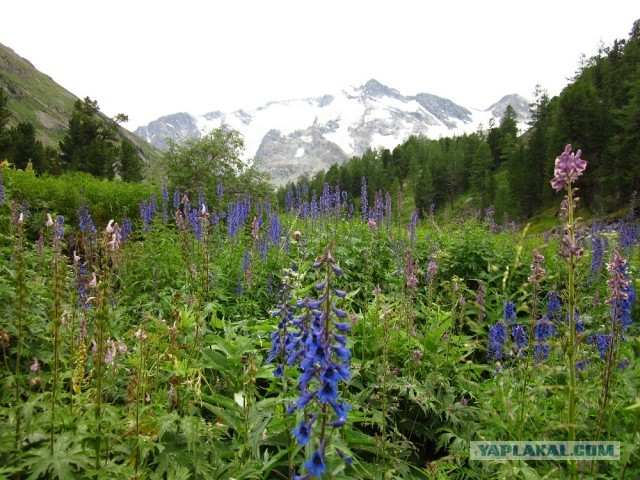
pixel 145 213
pixel 363 199
pixel 275 229
pixel 627 235
pixel 320 348
pixel 497 339
pixel 195 221
pixel 220 191
pixel 622 292
pixel 283 341
pixel 554 307
pixel 176 198
pixel 519 334
pixel 314 208
pixel 85 222
pixel 509 312
pixel 602 342
pixel 232 221
pixel 597 252
pixel 125 231
pixel 387 209
pixel 325 201
pixel 412 226
pixel 288 201
pixel 544 330
pixel 498 332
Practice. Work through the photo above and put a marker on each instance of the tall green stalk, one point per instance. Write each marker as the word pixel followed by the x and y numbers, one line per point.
pixel 21 300
pixel 58 272
pixel 571 308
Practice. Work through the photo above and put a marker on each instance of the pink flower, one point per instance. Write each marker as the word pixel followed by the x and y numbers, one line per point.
pixel 49 222
pixel 569 166
pixel 35 366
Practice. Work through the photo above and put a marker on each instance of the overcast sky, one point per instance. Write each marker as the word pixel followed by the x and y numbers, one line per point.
pixel 148 58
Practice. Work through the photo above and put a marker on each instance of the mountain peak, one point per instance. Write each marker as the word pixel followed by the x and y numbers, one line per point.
pixel 374 88
pixel 520 104
pixel 292 137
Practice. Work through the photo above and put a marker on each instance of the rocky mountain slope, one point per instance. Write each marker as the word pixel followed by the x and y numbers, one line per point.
pixel 292 137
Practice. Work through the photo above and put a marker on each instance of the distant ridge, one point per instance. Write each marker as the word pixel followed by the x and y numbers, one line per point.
pixel 289 138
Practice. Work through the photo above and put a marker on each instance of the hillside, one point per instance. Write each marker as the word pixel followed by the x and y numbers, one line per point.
pixel 36 98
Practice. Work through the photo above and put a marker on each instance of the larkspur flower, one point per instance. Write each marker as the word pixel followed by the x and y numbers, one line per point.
pixel 602 342
pixel 315 465
pixel 554 306
pixel 84 220
pixel 176 198
pixel 497 339
pixel 622 294
pixel 363 199
pixel 509 312
pixel 597 251
pixel 315 340
pixel 412 226
pixel 519 334
pixel 303 431
pixel 544 330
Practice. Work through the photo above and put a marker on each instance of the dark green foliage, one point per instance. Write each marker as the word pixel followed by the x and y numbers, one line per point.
pixel 25 148
pixel 199 164
pixel 424 191
pixel 63 195
pixel 88 145
pixel 131 168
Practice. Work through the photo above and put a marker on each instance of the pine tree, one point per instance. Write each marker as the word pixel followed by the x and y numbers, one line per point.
pixel 425 191
pixel 89 145
pixel 130 168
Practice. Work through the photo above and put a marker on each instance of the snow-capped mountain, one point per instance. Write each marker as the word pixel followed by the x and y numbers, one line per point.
pixel 291 137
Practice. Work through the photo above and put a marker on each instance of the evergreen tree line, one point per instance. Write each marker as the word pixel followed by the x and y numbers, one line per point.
pixel 598 112
pixel 91 144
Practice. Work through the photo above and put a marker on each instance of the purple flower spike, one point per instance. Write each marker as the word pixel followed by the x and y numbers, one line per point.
pixel 569 166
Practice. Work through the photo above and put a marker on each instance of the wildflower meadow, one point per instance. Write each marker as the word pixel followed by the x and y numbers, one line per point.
pixel 146 333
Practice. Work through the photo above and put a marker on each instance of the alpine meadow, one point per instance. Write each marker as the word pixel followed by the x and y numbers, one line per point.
pixel 174 315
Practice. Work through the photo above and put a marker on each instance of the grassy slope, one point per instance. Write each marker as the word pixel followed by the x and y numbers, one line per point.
pixel 35 98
